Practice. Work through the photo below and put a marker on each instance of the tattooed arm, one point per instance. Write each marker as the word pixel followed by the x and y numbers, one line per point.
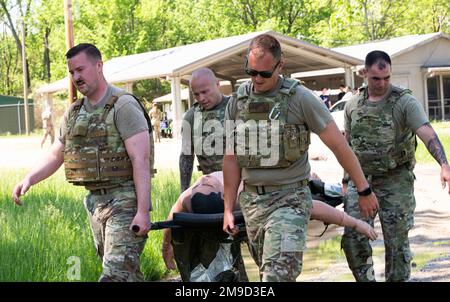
pixel 186 161
pixel 186 166
pixel 429 137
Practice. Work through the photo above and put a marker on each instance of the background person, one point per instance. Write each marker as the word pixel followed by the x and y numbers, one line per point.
pixel 47 125
pixel 325 96
pixel 156 116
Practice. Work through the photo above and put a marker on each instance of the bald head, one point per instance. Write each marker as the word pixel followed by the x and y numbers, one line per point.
pixel 205 88
pixel 204 73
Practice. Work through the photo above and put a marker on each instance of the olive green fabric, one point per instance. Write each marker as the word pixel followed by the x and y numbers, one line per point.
pixel 265 128
pixel 304 108
pixel 207 256
pixel 380 153
pixel 408 113
pixel 83 132
pixel 208 143
pixel 94 153
pixel 128 118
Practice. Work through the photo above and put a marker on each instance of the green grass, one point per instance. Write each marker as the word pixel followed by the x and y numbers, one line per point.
pixel 439 243
pixel 321 257
pixel 38 238
pixel 421 259
pixel 442 130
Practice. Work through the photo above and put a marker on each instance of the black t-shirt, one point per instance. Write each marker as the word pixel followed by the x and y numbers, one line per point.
pixel 326 100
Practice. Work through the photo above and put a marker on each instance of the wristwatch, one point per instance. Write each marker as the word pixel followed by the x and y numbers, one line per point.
pixel 365 192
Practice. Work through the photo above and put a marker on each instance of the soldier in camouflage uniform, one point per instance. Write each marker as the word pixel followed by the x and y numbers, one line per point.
pixel 202 129
pixel 276 200
pixel 203 135
pixel 381 125
pixel 106 146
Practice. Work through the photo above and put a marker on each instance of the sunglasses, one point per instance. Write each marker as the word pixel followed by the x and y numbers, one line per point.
pixel 264 74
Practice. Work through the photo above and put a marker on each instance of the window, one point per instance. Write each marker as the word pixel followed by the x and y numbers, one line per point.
pixel 434 103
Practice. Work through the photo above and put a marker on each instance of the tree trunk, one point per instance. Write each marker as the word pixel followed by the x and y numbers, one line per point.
pixel 16 37
pixel 47 73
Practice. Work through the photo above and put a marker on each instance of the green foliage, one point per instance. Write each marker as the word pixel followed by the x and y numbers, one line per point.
pixel 124 27
pixel 38 238
pixel 148 90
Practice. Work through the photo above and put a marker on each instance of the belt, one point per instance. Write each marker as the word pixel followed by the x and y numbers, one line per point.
pixel 260 190
pixel 103 191
pixel 388 172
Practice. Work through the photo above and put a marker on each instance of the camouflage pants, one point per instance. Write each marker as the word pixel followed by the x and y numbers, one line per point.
pixel 276 227
pixel 119 248
pixel 395 193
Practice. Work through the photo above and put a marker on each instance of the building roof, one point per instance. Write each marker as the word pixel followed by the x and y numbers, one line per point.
pixel 225 56
pixel 393 47
pixel 184 95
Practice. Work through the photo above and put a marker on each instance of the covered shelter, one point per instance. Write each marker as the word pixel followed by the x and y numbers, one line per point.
pixel 225 56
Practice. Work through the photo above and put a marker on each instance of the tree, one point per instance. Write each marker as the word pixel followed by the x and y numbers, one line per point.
pixel 125 27
pixel 24 10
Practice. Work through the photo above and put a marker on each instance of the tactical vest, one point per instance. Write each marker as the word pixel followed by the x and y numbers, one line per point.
pixel 292 139
pixel 95 154
pixel 209 157
pixel 373 136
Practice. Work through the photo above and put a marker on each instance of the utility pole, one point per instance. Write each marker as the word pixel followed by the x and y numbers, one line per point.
pixel 68 20
pixel 25 81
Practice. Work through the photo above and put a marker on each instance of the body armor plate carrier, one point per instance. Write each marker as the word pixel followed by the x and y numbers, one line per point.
pixel 211 137
pixel 265 124
pixel 374 137
pixel 95 154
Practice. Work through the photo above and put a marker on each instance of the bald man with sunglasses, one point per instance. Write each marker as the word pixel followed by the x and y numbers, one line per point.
pixel 278 113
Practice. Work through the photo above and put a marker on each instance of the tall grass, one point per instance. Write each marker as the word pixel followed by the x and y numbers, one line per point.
pixel 38 239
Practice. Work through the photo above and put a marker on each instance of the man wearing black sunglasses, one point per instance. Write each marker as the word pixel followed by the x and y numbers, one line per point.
pixel 276 200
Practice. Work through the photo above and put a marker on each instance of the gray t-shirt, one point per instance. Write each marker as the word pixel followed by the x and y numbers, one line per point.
pixel 305 107
pixel 408 113
pixel 129 117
